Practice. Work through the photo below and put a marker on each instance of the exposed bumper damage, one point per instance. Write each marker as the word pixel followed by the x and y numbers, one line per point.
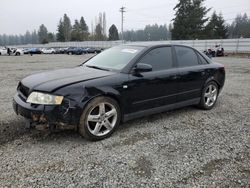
pixel 61 116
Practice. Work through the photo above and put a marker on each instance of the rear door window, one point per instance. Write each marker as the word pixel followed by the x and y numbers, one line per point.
pixel 186 57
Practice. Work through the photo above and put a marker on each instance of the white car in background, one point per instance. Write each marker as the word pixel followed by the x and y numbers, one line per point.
pixel 3 51
pixel 48 50
pixel 13 51
pixel 16 51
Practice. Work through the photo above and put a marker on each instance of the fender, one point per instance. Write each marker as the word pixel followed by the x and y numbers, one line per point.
pixel 212 78
pixel 93 92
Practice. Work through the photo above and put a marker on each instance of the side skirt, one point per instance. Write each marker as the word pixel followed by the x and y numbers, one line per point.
pixel 160 109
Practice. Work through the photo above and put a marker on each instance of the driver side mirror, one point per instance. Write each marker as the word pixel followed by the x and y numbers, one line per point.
pixel 142 67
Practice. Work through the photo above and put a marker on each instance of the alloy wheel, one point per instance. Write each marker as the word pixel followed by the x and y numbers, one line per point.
pixel 210 95
pixel 101 119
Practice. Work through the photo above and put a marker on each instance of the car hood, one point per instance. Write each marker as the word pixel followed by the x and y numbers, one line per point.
pixel 52 80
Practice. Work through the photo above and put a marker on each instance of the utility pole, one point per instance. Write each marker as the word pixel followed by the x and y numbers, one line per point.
pixel 122 10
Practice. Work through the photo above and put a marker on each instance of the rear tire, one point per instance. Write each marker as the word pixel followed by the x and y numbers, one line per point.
pixel 209 96
pixel 99 119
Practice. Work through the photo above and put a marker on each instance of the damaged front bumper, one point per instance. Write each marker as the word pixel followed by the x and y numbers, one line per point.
pixel 36 114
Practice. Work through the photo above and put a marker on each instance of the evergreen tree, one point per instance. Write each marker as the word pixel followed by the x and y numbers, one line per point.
pixel 28 37
pixel 189 20
pixel 43 34
pixel 149 33
pixel 64 29
pixel 98 32
pixel 211 27
pixel 240 27
pixel 67 28
pixel 222 27
pixel 80 30
pixel 113 33
pixel 1 40
pixel 84 30
pixel 216 28
pixel 76 32
pixel 170 28
pixel 60 33
pixel 34 37
pixel 51 37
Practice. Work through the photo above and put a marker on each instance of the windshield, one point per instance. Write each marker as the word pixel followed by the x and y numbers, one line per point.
pixel 115 58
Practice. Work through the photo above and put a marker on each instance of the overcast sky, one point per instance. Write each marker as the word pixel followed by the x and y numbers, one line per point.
pixel 18 16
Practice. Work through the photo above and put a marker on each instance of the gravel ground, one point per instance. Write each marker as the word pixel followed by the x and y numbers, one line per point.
pixel 181 148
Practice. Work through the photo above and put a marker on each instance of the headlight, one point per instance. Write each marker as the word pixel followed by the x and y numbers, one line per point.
pixel 42 98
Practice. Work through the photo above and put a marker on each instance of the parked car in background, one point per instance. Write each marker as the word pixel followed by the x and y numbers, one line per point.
pixel 3 51
pixel 32 51
pixel 48 51
pixel 119 84
pixel 63 50
pixel 60 50
pixel 26 50
pixel 13 51
pixel 75 51
pixel 92 50
pixel 16 51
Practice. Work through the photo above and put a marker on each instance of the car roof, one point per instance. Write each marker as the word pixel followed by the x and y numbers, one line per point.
pixel 153 44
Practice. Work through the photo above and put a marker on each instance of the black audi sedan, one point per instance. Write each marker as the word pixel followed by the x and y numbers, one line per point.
pixel 119 84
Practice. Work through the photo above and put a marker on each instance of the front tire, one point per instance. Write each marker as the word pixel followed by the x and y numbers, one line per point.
pixel 100 118
pixel 209 96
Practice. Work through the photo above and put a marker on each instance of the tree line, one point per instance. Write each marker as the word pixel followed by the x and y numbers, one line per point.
pixel 79 31
pixel 149 33
pixel 190 22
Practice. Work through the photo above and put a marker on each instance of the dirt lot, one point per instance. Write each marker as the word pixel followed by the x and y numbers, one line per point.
pixel 185 147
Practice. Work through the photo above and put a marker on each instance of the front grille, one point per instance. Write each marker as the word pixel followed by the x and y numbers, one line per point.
pixel 23 90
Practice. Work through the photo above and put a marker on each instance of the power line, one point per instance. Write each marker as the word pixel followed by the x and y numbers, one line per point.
pixel 122 10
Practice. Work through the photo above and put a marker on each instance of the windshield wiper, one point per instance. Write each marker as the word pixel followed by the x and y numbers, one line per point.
pixel 95 67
